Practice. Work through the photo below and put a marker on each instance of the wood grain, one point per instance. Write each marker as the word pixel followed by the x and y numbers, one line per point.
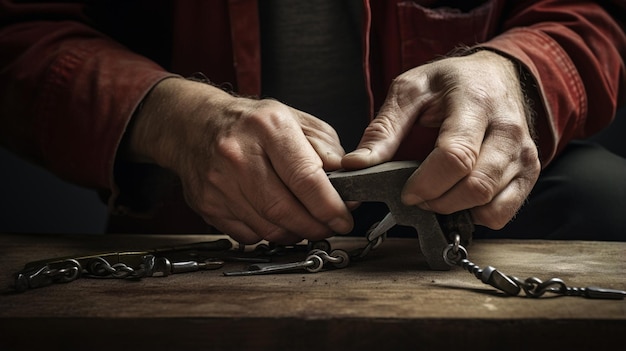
pixel 391 300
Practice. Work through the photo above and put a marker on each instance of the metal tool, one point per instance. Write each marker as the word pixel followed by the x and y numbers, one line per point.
pixel 315 260
pixel 384 183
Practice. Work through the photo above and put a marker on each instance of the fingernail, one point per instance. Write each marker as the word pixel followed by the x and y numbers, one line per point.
pixel 340 225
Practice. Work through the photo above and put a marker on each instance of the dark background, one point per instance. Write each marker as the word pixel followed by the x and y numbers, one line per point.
pixel 33 200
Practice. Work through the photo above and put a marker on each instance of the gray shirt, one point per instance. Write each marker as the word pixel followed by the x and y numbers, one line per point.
pixel 311 54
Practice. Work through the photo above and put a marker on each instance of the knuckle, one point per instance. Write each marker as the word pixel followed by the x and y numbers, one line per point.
pixel 529 156
pixel 268 115
pixel 400 82
pixel 462 157
pixel 382 128
pixel 230 149
pixel 275 211
pixel 262 117
pixel 482 187
pixel 304 177
pixel 404 92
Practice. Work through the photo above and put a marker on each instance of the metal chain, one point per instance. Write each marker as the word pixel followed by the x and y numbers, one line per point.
pixel 319 254
pixel 456 254
pixel 98 267
pixel 341 258
pixel 337 258
pixel 71 269
pixel 59 272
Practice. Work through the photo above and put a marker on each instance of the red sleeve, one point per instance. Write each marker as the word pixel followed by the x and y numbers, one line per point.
pixel 574 51
pixel 67 91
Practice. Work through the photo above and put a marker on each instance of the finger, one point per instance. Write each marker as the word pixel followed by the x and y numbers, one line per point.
pixel 227 220
pixel 498 212
pixel 229 209
pixel 279 212
pixel 323 138
pixel 492 174
pixel 245 225
pixel 453 158
pixel 299 168
pixel 384 134
pixel 504 156
pixel 315 196
pixel 280 231
pixel 284 238
pixel 524 166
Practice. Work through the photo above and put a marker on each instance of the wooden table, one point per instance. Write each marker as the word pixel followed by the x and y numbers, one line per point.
pixel 390 301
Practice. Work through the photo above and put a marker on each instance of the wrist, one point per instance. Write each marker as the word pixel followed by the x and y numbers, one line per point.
pixel 170 115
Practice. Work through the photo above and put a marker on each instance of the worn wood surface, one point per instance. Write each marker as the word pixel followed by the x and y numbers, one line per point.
pixel 391 300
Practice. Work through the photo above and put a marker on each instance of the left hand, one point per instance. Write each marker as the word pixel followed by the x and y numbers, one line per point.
pixel 484 158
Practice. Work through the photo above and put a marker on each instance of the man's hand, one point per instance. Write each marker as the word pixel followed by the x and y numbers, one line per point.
pixel 255 169
pixel 484 157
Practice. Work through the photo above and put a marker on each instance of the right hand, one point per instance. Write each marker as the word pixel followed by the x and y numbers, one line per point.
pixel 484 158
pixel 254 169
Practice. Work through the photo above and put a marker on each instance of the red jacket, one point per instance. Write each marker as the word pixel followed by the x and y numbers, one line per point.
pixel 72 74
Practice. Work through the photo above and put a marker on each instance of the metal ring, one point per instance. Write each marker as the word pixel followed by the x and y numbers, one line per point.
pixel 318 252
pixel 99 267
pixel 67 274
pixel 370 230
pixel 122 271
pixel 163 266
pixel 531 287
pixel 379 240
pixel 457 257
pixel 72 272
pixel 342 259
pixel 554 285
pixel 331 258
pixel 316 263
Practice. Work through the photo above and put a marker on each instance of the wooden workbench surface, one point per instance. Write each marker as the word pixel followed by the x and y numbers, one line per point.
pixel 389 301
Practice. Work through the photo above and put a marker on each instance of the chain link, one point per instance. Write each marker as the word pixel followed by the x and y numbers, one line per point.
pixel 373 242
pixel 98 267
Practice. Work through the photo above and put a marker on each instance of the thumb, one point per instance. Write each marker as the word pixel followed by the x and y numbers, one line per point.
pixel 383 135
